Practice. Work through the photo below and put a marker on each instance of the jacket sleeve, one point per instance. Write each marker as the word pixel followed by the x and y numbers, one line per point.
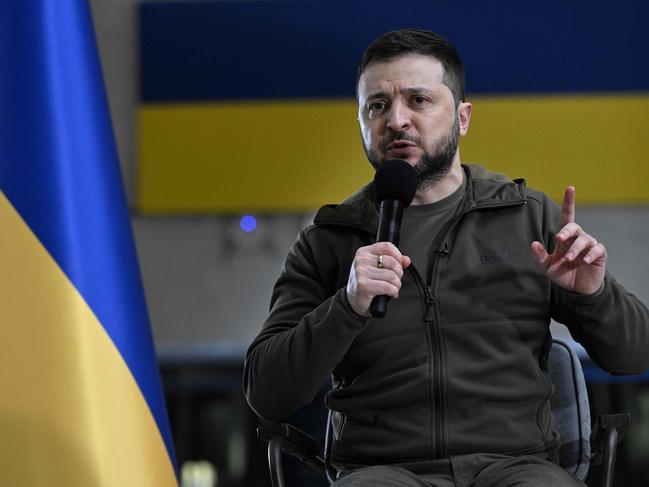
pixel 612 324
pixel 305 336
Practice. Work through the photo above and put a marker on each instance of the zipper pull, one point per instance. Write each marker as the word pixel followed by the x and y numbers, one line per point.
pixel 445 249
pixel 429 295
pixel 430 301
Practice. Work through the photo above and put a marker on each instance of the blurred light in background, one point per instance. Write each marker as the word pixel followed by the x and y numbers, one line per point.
pixel 198 474
pixel 248 223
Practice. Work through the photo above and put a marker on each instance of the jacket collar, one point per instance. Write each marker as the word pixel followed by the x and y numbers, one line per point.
pixel 484 189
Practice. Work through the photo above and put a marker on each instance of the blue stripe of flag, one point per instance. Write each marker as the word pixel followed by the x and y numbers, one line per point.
pixel 59 169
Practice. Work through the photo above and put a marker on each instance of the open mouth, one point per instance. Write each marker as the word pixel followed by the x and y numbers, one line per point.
pixel 401 144
pixel 401 148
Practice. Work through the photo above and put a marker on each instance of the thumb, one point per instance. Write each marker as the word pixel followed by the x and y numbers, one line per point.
pixel 539 253
pixel 405 261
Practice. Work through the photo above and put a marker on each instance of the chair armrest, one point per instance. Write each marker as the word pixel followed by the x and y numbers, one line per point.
pixel 600 434
pixel 295 442
pixel 607 432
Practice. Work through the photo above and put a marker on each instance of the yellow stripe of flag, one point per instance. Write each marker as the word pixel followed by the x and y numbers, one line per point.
pixel 68 399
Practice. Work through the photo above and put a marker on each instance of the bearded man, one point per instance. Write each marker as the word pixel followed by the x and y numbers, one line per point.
pixel 450 388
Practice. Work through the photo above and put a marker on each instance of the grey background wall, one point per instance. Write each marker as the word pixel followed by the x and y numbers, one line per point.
pixel 207 283
pixel 201 287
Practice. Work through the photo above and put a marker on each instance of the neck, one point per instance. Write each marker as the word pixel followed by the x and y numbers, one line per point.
pixel 440 189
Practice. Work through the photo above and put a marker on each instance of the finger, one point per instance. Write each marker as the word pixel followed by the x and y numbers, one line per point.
pixel 382 262
pixel 406 262
pixel 383 288
pixel 597 253
pixel 381 273
pixel 365 282
pixel 569 231
pixel 366 266
pixel 362 290
pixel 568 206
pixel 386 248
pixel 540 255
pixel 384 275
pixel 581 244
pixel 371 286
pixel 393 265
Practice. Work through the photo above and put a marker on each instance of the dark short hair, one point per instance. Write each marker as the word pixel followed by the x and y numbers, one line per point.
pixel 418 41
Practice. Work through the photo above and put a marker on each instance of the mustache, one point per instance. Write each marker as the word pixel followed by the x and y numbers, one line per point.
pixel 403 136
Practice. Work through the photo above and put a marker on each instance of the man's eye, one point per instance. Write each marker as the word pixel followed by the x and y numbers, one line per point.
pixel 419 100
pixel 376 106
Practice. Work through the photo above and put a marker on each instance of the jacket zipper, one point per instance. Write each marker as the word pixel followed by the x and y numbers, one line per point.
pixel 438 350
pixel 433 319
pixel 433 364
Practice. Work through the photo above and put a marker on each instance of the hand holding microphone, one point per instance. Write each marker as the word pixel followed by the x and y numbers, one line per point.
pixel 377 269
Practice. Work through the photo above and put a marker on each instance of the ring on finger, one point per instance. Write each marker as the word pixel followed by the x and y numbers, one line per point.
pixel 379 262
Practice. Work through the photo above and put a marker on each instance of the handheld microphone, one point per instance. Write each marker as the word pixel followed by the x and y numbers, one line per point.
pixel 395 183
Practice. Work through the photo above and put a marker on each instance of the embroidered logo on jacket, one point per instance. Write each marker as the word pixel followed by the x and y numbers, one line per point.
pixel 495 257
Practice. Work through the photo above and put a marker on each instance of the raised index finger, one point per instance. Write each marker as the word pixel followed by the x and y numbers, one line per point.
pixel 568 206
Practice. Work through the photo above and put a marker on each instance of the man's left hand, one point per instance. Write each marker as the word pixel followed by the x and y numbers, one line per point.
pixel 578 262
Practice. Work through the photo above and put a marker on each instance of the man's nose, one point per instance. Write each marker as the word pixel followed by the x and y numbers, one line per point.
pixel 399 117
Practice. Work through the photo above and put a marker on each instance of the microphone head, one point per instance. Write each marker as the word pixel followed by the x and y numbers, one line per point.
pixel 395 180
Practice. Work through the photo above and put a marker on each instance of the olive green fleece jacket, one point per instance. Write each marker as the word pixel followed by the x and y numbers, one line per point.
pixel 458 364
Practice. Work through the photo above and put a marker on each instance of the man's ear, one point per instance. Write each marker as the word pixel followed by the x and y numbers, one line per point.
pixel 464 115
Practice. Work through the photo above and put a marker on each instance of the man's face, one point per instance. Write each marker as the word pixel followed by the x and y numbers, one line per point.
pixel 407 112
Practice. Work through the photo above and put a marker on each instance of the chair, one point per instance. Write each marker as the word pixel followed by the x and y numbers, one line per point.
pixel 580 446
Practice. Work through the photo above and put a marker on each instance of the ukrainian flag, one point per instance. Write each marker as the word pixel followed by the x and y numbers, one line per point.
pixel 80 395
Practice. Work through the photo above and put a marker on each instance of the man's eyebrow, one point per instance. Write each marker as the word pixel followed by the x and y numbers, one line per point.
pixel 419 89
pixel 409 91
pixel 374 96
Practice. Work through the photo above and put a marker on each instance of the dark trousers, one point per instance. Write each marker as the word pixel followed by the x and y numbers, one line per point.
pixel 467 471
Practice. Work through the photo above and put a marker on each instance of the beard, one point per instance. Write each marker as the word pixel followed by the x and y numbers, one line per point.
pixel 433 165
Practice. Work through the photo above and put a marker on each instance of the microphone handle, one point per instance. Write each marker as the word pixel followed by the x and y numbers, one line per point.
pixel 390 215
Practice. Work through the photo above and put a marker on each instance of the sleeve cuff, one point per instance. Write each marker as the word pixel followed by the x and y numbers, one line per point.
pixel 587 298
pixel 348 307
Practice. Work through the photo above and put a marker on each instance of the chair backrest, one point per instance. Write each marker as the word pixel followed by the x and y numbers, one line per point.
pixel 570 408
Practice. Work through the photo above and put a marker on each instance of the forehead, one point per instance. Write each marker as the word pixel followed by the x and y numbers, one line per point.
pixel 403 72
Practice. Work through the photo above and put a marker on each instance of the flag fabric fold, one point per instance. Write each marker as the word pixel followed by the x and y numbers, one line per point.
pixel 80 395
